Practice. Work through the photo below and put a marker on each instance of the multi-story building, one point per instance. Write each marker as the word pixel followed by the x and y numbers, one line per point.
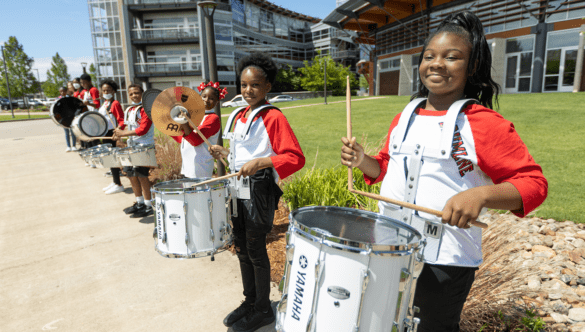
pixel 161 43
pixel 534 44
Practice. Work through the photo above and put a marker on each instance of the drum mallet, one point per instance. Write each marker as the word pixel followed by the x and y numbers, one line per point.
pixel 186 116
pixel 91 139
pixel 383 198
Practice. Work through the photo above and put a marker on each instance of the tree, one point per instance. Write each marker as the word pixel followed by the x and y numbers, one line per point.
pixel 312 79
pixel 57 76
pixel 93 74
pixel 18 65
pixel 364 82
pixel 287 80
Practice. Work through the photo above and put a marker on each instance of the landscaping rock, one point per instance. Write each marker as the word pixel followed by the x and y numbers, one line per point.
pixel 558 318
pixel 577 314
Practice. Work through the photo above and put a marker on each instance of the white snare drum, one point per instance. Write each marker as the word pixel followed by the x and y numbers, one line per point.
pixel 89 124
pixel 88 154
pixel 349 270
pixel 107 158
pixel 137 155
pixel 191 222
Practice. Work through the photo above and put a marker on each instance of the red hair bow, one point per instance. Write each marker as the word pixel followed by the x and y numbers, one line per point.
pixel 222 92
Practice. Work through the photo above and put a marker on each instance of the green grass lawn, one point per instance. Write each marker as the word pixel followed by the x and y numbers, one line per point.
pixel 8 117
pixel 549 124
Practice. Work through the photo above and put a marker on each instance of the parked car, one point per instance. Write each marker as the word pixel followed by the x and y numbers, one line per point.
pixel 35 102
pixel 281 98
pixel 235 102
pixel 5 104
pixel 49 102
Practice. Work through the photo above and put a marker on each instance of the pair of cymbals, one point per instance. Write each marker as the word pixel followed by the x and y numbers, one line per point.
pixel 171 106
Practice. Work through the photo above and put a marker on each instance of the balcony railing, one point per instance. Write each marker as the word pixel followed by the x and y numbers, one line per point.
pixel 220 5
pixel 166 67
pixel 165 33
pixel 345 54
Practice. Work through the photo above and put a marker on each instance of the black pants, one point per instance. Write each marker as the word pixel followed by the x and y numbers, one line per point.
pixel 441 292
pixel 254 221
pixel 254 262
pixel 115 171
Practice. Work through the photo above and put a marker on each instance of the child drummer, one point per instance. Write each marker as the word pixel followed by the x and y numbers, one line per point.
pixel 138 127
pixel 196 160
pixel 268 153
pixel 483 164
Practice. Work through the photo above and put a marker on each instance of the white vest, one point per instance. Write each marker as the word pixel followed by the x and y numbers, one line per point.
pixel 132 120
pixel 112 123
pixel 197 161
pixel 87 97
pixel 423 171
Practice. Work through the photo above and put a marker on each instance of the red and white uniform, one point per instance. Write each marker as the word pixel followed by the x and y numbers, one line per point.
pixel 271 136
pixel 115 116
pixel 484 150
pixel 92 96
pixel 197 161
pixel 136 119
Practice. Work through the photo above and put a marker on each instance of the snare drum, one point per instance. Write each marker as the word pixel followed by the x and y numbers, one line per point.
pixel 88 154
pixel 137 155
pixel 191 222
pixel 107 158
pixel 87 125
pixel 349 270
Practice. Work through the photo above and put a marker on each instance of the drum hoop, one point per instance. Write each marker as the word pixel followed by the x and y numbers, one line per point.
pixel 199 254
pixel 350 245
pixel 85 114
pixel 218 185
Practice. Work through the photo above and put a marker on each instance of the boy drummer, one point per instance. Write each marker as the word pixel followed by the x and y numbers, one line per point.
pixel 138 127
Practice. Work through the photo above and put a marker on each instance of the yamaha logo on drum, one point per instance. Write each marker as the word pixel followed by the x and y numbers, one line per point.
pixel 303 261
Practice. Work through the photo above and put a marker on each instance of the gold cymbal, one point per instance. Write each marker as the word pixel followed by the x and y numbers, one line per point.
pixel 168 106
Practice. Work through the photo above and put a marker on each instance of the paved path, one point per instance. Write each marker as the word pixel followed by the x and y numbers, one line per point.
pixel 73 261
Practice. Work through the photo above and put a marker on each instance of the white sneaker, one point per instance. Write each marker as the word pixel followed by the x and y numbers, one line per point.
pixel 74 149
pixel 115 189
pixel 93 166
pixel 68 150
pixel 86 164
pixel 109 187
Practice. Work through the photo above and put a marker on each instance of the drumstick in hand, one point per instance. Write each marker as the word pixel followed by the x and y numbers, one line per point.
pixel 91 139
pixel 224 152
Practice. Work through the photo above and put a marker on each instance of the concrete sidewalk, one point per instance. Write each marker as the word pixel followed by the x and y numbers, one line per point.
pixel 73 261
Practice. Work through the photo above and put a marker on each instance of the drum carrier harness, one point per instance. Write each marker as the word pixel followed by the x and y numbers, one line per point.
pixel 432 230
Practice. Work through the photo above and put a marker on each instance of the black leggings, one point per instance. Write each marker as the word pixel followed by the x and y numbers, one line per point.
pixel 115 171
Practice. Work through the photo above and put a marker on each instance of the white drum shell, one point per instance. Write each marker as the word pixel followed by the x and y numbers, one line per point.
pixel 108 159
pixel 387 294
pixel 139 155
pixel 184 222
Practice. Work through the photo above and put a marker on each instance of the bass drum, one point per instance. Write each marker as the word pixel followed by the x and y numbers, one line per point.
pixel 64 111
pixel 88 125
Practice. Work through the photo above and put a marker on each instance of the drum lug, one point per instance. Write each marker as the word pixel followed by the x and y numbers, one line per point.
pixel 163 222
pixel 319 266
pixel 365 281
pixel 403 288
pixel 186 225
pixel 281 312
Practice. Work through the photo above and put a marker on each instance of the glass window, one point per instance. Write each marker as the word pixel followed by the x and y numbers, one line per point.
pixel 526 64
pixel 519 45
pixel 511 72
pixel 563 39
pixel 553 62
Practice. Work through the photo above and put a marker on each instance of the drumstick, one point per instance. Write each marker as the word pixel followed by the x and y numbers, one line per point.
pixel 202 136
pixel 217 179
pixel 380 197
pixel 412 206
pixel 348 108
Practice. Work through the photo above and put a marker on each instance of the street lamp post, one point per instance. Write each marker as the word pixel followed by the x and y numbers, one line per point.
pixel 7 83
pixel 83 65
pixel 39 78
pixel 208 8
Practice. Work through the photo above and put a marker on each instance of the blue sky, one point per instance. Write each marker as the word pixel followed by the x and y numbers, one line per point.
pixel 45 27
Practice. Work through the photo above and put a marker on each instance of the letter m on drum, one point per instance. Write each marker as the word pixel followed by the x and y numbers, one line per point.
pixel 432 230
